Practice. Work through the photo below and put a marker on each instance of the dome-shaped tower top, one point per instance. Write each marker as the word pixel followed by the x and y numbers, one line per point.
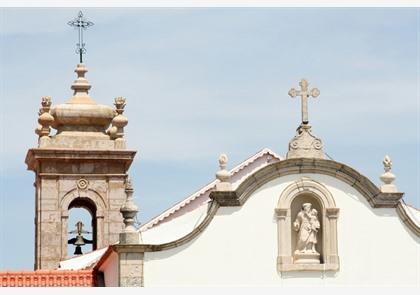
pixel 81 112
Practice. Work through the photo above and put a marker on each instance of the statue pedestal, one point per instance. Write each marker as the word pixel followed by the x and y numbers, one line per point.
pixel 306 258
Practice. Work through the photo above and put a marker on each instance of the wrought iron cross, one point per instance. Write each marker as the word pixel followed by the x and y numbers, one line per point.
pixel 81 24
pixel 304 93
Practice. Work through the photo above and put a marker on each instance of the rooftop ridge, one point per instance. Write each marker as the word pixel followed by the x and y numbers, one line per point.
pixel 159 218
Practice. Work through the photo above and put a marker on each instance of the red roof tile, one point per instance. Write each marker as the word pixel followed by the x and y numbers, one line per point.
pixel 48 278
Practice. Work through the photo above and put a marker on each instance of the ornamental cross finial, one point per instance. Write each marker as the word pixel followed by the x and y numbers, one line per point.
pixel 387 163
pixel 81 24
pixel 388 177
pixel 304 93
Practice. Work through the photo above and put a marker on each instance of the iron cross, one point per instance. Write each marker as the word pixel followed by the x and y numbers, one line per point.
pixel 81 24
pixel 304 93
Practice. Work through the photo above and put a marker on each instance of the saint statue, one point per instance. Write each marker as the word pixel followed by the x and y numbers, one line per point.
pixel 307 225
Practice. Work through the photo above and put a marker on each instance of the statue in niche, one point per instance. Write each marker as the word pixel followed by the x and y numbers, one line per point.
pixel 307 226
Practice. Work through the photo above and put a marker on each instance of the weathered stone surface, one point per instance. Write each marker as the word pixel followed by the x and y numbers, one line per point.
pixel 130 265
pixel 305 144
pixel 129 238
pixel 225 198
pixel 79 166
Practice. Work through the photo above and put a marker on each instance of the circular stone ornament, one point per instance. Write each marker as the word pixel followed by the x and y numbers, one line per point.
pixel 82 183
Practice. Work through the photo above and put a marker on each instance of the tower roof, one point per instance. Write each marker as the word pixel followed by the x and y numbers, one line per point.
pixel 81 112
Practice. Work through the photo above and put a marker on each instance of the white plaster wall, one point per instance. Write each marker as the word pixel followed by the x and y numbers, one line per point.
pixel 110 270
pixel 239 247
pixel 176 228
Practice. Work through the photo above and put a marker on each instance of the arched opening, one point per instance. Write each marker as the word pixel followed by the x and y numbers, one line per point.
pixel 81 210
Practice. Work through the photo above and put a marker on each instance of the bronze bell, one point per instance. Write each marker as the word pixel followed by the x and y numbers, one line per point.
pixel 79 241
pixel 78 250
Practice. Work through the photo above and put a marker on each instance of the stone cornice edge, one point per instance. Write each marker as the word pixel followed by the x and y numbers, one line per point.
pixel 362 184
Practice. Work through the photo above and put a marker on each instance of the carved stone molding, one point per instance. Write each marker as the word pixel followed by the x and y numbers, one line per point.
pixel 82 184
pixel 305 144
pixel 362 184
pixel 332 212
pixel 281 213
pixel 288 167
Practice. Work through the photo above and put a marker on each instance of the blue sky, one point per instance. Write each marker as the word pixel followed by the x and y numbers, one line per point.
pixel 199 82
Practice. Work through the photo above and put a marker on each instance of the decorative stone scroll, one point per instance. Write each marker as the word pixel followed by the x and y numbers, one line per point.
pixel 305 144
pixel 307 230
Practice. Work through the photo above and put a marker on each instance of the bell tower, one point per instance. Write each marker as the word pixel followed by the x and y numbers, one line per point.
pixel 83 165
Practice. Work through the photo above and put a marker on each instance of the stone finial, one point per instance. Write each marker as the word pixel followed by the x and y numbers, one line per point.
pixel 223 175
pixel 81 87
pixel 387 163
pixel 118 123
pixel 129 211
pixel 305 144
pixel 45 120
pixel 387 178
pixel 119 104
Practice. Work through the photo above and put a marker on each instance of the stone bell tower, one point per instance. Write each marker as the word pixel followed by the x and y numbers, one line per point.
pixel 83 165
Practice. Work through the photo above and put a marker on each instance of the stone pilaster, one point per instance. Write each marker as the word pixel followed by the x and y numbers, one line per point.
pixel 130 265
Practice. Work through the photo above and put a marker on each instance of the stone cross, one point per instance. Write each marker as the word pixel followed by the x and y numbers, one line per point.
pixel 304 93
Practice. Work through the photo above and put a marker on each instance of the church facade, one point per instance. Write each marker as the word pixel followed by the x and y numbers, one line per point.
pixel 294 220
pixel 299 220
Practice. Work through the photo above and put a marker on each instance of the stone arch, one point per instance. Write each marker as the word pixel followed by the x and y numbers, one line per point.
pixel 306 185
pixel 90 194
pixel 307 188
pixel 93 202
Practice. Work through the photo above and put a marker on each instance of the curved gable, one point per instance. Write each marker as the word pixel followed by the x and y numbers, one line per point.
pixel 340 171
pixel 373 195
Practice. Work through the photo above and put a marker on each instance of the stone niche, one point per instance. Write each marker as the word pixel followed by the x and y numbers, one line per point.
pixel 295 209
pixel 306 204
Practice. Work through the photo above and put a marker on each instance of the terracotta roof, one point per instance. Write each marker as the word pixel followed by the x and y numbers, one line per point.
pixel 48 278
pixel 158 219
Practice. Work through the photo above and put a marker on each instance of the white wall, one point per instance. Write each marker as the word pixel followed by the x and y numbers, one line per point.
pixel 239 246
pixel 110 270
pixel 175 228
